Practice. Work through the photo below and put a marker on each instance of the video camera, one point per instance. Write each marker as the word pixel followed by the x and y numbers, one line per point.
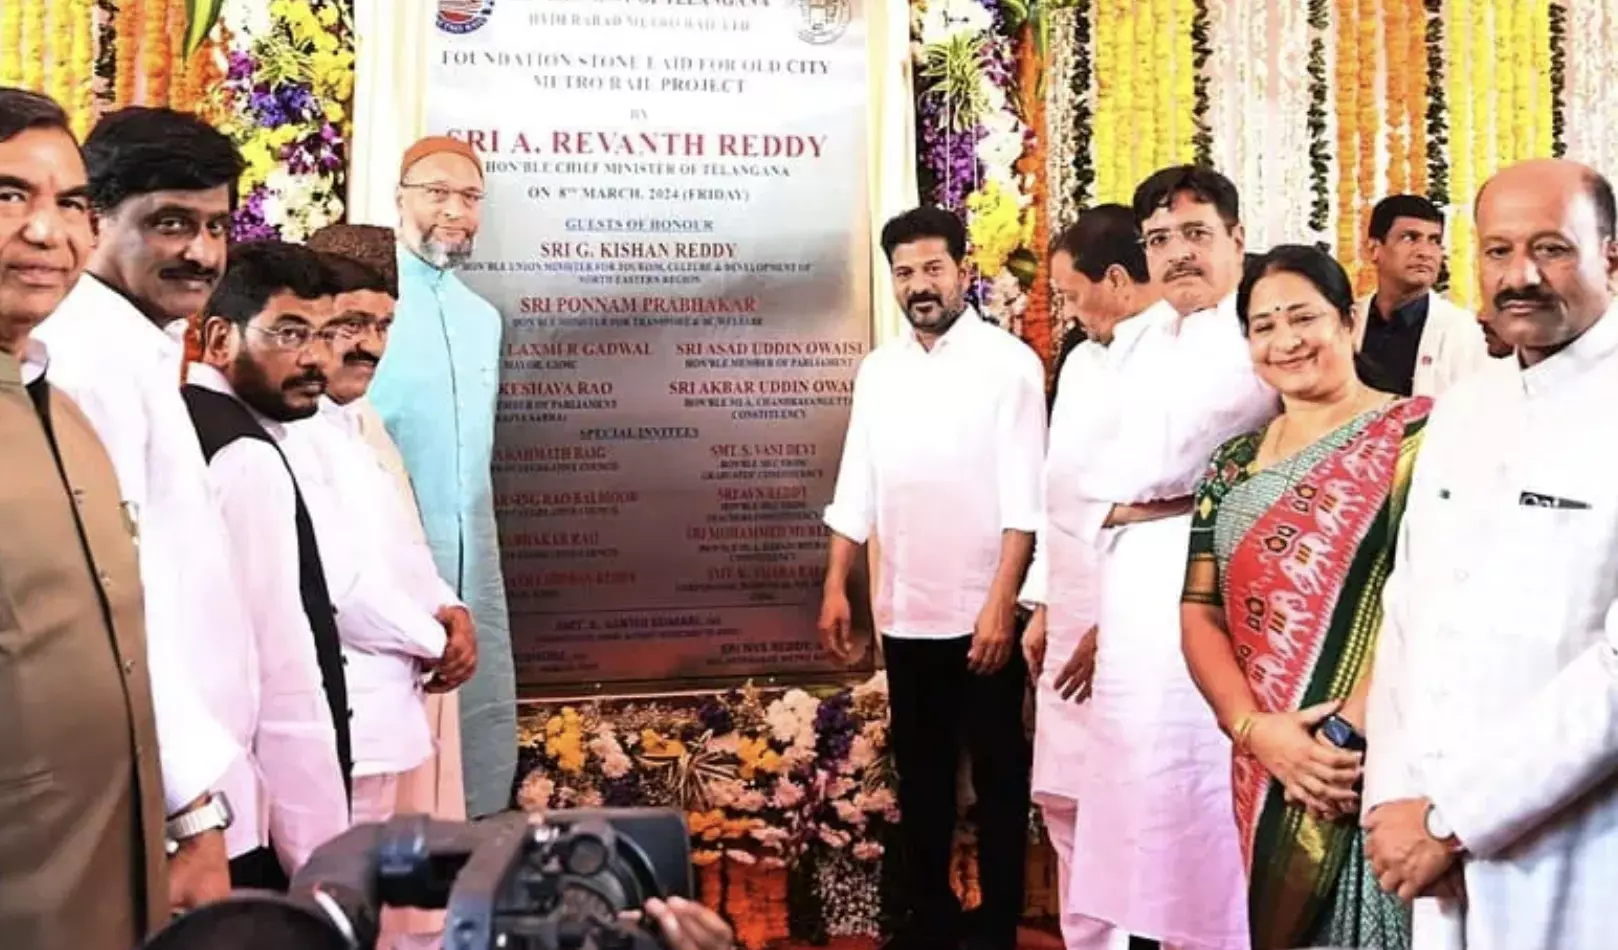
pixel 561 881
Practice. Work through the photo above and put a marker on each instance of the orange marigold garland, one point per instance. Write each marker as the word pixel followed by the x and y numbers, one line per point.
pixel 1036 320
pixel 1416 91
pixel 1347 132
pixel 1396 92
pixel 128 28
pixel 1366 46
pixel 182 94
pixel 154 55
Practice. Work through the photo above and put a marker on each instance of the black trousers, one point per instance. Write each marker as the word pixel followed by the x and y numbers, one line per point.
pixel 937 708
pixel 259 870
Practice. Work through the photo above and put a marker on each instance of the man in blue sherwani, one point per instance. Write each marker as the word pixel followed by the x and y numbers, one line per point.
pixel 436 394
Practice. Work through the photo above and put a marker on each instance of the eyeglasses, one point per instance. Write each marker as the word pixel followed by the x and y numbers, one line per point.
pixel 438 194
pixel 299 338
pixel 1196 235
pixel 359 324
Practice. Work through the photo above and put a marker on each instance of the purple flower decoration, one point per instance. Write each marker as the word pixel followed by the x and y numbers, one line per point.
pixel 241 66
pixel 715 717
pixel 835 727
pixel 248 223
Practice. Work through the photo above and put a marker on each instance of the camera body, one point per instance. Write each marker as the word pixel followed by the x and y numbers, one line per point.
pixel 561 881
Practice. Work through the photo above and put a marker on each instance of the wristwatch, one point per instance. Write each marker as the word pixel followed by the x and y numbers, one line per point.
pixel 214 814
pixel 1439 830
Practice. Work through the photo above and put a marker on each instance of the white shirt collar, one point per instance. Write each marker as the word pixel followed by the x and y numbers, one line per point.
pixel 176 329
pixel 337 414
pixel 34 360
pixel 108 304
pixel 1592 348
pixel 201 374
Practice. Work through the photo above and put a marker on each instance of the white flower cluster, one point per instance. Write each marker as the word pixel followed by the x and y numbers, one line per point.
pixel 791 719
pixel 849 895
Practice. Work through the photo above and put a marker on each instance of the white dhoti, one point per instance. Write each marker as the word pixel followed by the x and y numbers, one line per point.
pixel 1157 836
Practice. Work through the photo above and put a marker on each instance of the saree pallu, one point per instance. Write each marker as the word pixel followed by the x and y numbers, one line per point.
pixel 1297 555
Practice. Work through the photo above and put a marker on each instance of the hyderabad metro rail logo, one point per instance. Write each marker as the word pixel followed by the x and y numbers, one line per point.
pixel 463 16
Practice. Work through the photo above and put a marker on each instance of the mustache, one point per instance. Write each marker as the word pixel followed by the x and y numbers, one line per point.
pixel 924 296
pixel 311 376
pixel 1505 297
pixel 1182 270
pixel 357 357
pixel 189 272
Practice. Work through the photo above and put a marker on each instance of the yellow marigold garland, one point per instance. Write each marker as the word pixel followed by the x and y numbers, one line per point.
pixel 1544 105
pixel 32 48
pixel 1115 75
pixel 1530 84
pixel 58 81
pixel 1461 82
pixel 1416 91
pixel 1347 132
pixel 1185 83
pixel 82 52
pixel 1126 145
pixel 1148 117
pixel 1102 73
pixel 11 43
pixel 1509 75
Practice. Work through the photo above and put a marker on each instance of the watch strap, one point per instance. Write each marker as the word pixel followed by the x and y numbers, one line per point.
pixel 208 816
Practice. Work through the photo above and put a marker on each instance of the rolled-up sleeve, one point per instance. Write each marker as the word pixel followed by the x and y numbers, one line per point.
pixel 1036 584
pixel 852 511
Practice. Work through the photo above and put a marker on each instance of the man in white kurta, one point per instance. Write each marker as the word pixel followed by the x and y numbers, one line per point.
pixel 1414 341
pixel 1157 855
pixel 162 184
pixel 1493 716
pixel 942 464
pixel 1098 267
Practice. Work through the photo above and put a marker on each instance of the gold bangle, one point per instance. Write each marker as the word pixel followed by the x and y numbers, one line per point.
pixel 1244 727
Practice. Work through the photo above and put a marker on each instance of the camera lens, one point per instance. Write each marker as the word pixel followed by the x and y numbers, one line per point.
pixel 586 855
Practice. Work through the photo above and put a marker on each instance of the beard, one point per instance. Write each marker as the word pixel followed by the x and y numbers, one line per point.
pixel 940 318
pixel 446 255
pixel 254 387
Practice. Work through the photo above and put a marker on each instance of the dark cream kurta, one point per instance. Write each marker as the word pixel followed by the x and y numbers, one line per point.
pixel 81 799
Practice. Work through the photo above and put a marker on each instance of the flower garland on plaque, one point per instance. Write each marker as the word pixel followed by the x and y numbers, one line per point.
pixel 972 136
pixel 289 83
pixel 789 798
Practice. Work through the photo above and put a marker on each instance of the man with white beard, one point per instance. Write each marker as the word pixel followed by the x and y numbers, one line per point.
pixel 436 394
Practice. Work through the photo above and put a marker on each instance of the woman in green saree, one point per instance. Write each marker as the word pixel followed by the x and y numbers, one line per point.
pixel 1291 542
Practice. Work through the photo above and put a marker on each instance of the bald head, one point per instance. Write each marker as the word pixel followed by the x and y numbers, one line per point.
pixel 1592 181
pixel 1546 254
